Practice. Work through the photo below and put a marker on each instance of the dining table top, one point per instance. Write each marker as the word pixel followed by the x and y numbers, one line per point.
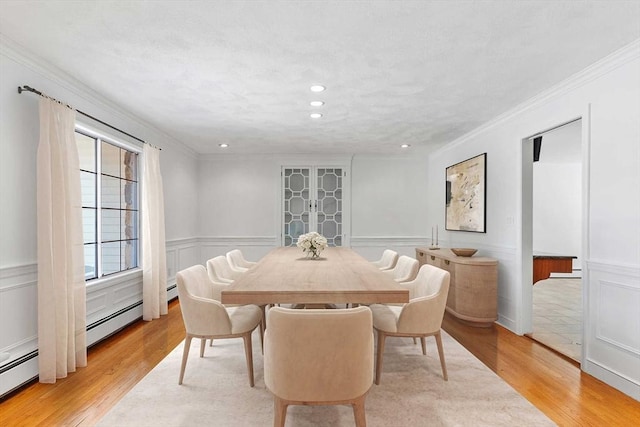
pixel 287 276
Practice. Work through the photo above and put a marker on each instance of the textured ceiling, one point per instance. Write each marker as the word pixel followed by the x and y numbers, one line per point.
pixel 415 72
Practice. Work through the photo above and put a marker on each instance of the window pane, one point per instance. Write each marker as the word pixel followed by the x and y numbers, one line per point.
pixel 115 179
pixel 130 165
pixel 110 159
pixel 129 195
pixel 90 257
pixel 110 192
pixel 110 258
pixel 129 225
pixel 86 152
pixel 129 254
pixel 89 225
pixel 88 186
pixel 110 225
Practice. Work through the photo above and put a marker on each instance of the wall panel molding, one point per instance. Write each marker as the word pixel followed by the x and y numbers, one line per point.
pixel 610 295
pixel 240 241
pixel 388 241
pixel 18 275
pixel 628 270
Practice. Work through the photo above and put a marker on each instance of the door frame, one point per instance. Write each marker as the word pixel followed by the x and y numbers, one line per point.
pixel 524 255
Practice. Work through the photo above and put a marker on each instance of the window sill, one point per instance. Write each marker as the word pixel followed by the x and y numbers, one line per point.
pixel 117 277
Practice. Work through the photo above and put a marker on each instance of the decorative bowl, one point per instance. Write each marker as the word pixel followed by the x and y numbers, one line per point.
pixel 464 251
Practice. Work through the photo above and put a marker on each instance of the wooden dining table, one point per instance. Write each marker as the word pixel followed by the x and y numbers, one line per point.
pixel 339 276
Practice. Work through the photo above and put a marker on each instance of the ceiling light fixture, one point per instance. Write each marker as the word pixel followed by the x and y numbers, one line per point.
pixel 317 88
pixel 223 145
pixel 405 146
pixel 315 115
pixel 316 103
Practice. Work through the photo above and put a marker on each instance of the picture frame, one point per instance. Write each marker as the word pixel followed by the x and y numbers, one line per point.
pixel 466 196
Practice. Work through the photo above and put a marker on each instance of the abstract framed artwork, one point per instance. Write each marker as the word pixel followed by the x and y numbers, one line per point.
pixel 466 195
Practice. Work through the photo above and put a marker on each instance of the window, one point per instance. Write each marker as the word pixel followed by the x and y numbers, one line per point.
pixel 109 180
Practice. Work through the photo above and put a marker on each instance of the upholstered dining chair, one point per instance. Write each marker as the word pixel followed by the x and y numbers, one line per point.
pixel 318 357
pixel 404 270
pixel 419 318
pixel 237 261
pixel 204 317
pixel 388 260
pixel 220 271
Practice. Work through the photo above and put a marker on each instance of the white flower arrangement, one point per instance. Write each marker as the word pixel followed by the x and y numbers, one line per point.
pixel 312 243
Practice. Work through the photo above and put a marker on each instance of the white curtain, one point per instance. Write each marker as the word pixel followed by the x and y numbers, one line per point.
pixel 61 286
pixel 154 257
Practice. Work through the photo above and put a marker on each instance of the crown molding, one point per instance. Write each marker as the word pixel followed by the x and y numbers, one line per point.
pixel 24 57
pixel 602 67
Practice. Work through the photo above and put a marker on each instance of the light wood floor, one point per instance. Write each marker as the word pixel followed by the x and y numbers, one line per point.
pixel 552 383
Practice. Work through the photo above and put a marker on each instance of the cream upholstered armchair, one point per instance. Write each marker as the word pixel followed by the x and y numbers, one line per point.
pixel 420 317
pixel 388 260
pixel 237 261
pixel 204 317
pixel 220 271
pixel 318 357
pixel 405 269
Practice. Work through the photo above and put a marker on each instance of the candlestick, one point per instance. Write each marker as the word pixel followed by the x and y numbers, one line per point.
pixel 434 238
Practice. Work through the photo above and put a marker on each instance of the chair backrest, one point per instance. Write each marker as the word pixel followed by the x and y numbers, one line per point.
pixel 318 355
pixel 236 260
pixel 405 270
pixel 219 266
pixel 424 313
pixel 202 315
pixel 388 260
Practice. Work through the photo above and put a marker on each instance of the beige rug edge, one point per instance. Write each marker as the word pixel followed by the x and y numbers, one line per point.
pixel 412 392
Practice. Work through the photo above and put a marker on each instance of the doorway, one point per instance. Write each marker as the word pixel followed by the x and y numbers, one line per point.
pixel 314 199
pixel 556 238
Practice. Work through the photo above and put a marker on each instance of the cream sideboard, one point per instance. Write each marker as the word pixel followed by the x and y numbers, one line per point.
pixel 473 291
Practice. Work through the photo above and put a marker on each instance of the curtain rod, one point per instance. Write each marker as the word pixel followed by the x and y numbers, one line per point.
pixel 26 88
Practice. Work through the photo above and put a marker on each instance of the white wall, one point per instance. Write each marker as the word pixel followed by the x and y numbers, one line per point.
pixel 238 205
pixel 557 194
pixel 607 96
pixel 240 200
pixel 389 204
pixel 557 209
pixel 19 124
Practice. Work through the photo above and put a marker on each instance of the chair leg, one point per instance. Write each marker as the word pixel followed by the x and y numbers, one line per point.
pixel 423 341
pixel 358 412
pixel 203 342
pixel 248 349
pixel 211 343
pixel 279 412
pixel 414 341
pixel 381 338
pixel 441 353
pixel 262 329
pixel 185 355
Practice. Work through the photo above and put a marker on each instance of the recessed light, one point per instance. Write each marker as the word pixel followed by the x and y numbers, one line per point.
pixel 315 115
pixel 405 146
pixel 223 145
pixel 317 88
pixel 316 103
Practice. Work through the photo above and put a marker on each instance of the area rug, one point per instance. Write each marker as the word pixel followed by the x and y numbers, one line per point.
pixel 412 392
